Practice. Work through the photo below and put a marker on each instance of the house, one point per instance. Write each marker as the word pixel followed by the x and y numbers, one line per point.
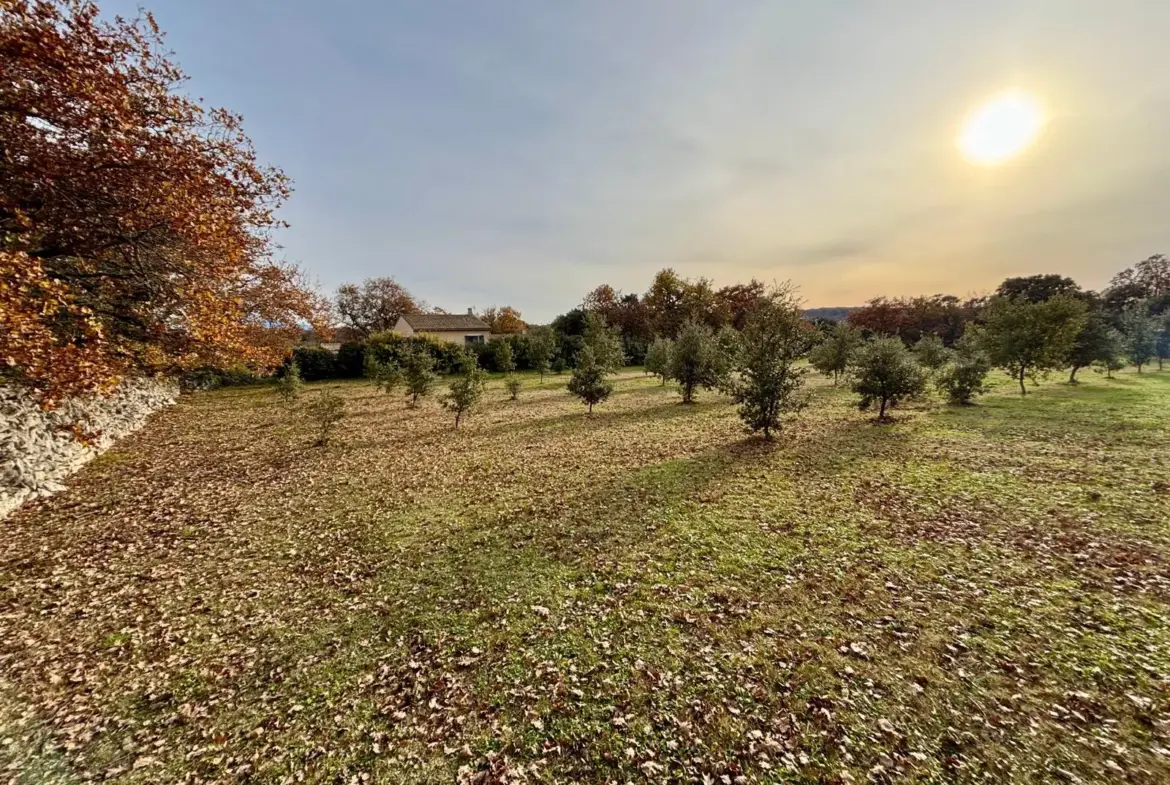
pixel 452 328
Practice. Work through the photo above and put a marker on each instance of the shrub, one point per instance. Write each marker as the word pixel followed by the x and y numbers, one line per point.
pixel 886 373
pixel 315 363
pixel 588 382
pixel 513 385
pixel 658 358
pixel 326 409
pixel 696 360
pixel 965 376
pixel 351 360
pixel 418 372
pixel 768 382
pixel 211 378
pixel 466 389
pixel 834 353
pixel 386 376
pixel 288 386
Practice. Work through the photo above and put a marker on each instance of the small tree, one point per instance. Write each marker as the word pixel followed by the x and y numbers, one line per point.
pixel 1112 353
pixel 327 409
pixel 1094 344
pixel 886 373
pixel 419 374
pixel 965 376
pixel 833 355
pixel 289 385
pixel 465 390
pixel 696 360
pixel 588 381
pixel 931 353
pixel 386 376
pixel 1141 335
pixel 1027 339
pixel 542 343
pixel 767 385
pixel 1163 343
pixel 513 385
pixel 605 342
pixel 658 358
pixel 505 361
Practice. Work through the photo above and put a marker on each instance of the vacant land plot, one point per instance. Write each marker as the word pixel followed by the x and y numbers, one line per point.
pixel 974 594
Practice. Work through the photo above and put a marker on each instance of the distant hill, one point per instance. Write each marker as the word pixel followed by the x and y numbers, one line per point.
pixel 831 314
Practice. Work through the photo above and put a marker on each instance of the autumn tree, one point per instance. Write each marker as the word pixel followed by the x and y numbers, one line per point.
pixel 1141 336
pixel 695 360
pixel 885 373
pixel 542 343
pixel 833 355
pixel 658 358
pixel 375 305
pixel 589 382
pixel 503 320
pixel 135 223
pixel 466 389
pixel 1026 339
pixel 768 382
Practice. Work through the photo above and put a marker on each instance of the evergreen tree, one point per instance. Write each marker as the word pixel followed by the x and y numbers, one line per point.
pixel 886 373
pixel 588 381
pixel 466 389
pixel 833 355
pixel 965 375
pixel 1141 335
pixel 505 361
pixel 1026 339
pixel 289 385
pixel 658 358
pixel 386 376
pixel 327 409
pixel 931 353
pixel 604 341
pixel 542 342
pixel 768 382
pixel 696 360
pixel 419 374
pixel 513 387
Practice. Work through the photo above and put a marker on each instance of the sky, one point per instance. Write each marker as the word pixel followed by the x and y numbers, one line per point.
pixel 522 153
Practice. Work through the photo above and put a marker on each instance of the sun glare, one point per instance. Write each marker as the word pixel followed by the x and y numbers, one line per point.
pixel 1001 128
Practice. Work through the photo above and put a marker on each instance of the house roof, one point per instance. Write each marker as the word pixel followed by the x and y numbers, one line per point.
pixel 440 322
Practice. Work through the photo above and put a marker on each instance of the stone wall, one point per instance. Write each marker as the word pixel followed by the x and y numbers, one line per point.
pixel 38 449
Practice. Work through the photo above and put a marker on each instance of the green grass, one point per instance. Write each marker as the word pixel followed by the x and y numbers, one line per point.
pixel 972 594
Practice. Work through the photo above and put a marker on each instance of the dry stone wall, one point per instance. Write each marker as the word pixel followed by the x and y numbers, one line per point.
pixel 38 449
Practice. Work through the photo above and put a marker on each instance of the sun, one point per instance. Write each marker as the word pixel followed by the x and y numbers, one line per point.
pixel 1001 128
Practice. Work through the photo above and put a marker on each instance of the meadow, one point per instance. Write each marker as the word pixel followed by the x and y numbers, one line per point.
pixel 970 594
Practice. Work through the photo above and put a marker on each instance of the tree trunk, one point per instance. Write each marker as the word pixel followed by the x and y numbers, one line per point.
pixel 591 408
pixel 1023 389
pixel 458 416
pixel 882 410
pixel 1072 377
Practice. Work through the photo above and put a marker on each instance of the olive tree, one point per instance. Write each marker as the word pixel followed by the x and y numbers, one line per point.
pixel 931 353
pixel 767 384
pixel 588 381
pixel 885 373
pixel 1027 339
pixel 833 354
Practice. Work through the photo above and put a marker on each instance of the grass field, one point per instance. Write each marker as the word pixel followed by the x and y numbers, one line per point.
pixel 644 595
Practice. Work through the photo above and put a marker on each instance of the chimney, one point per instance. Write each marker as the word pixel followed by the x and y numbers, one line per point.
pixel 471 312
